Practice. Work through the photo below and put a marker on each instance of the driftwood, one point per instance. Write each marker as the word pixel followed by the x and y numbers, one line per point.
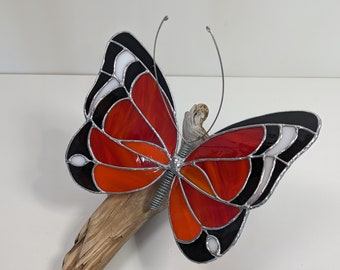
pixel 120 216
pixel 107 230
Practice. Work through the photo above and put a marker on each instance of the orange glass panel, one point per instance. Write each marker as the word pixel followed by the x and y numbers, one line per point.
pixel 227 177
pixel 148 150
pixel 111 179
pixel 156 109
pixel 232 144
pixel 210 213
pixel 184 225
pixel 195 176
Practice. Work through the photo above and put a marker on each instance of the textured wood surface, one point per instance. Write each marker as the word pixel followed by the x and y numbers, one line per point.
pixel 120 216
pixel 109 227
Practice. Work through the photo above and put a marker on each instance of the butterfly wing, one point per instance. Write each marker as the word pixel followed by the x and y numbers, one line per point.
pixel 197 218
pixel 235 170
pixel 130 129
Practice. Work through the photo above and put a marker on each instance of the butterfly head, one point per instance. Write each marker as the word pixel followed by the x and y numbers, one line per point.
pixel 193 131
pixel 199 113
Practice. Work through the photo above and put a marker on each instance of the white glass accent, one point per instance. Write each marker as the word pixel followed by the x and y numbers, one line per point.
pixel 213 245
pixel 267 169
pixel 111 85
pixel 78 160
pixel 123 60
pixel 288 136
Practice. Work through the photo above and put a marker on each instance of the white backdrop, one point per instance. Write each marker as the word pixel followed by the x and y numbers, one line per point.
pixel 42 209
pixel 291 38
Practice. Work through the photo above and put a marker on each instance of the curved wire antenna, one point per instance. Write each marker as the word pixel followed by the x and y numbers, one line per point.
pixel 156 74
pixel 222 77
pixel 155 67
pixel 154 47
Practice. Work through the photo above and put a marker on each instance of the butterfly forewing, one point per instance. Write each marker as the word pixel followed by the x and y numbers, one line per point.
pixel 242 163
pixel 130 132
pixel 236 168
pixel 115 48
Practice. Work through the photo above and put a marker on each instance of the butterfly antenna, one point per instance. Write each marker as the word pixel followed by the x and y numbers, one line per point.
pixel 156 73
pixel 154 46
pixel 222 77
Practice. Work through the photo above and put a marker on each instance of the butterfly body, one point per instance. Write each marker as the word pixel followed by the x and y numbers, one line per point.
pixel 130 139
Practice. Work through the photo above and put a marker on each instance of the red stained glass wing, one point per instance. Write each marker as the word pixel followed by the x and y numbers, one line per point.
pixel 210 212
pixel 124 122
pixel 223 162
pixel 227 177
pixel 147 116
pixel 191 211
pixel 235 170
pixel 130 123
pixel 230 144
pixel 244 162
pixel 149 151
pixel 198 178
pixel 197 218
pixel 160 115
pixel 184 225
pixel 115 153
pixel 115 180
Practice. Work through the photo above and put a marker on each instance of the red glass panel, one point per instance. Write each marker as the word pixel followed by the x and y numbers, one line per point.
pixel 233 144
pixel 195 176
pixel 226 177
pixel 210 213
pixel 184 225
pixel 148 150
pixel 154 106
pixel 125 122
pixel 111 179
pixel 109 152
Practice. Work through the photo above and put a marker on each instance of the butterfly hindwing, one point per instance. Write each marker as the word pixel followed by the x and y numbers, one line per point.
pixel 235 170
pixel 224 237
pixel 130 129
pixel 198 218
pixel 79 159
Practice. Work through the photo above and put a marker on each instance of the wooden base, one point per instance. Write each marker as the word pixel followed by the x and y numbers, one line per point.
pixel 117 219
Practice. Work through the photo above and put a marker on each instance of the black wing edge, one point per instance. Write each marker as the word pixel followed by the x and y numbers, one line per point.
pixel 308 124
pixel 116 44
pixel 78 145
pixel 227 236
pixel 305 119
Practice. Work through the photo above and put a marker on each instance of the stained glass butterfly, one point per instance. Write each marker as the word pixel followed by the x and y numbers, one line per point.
pixel 130 140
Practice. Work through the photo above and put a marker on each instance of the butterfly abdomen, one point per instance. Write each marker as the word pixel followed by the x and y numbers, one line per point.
pixel 162 192
pixel 163 189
